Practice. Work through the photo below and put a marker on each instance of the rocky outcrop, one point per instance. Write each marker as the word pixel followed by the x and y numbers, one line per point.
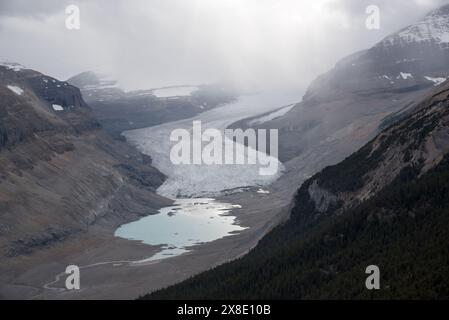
pixel 413 146
pixel 322 199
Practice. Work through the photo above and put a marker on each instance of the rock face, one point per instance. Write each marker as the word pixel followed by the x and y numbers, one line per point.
pixel 365 92
pixel 413 146
pixel 59 172
pixel 119 111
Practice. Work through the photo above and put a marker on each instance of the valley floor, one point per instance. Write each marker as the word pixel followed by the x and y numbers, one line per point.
pixel 104 259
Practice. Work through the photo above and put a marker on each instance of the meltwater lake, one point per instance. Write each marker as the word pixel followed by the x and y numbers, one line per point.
pixel 186 223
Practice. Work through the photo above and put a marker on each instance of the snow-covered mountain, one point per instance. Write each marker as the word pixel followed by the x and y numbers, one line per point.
pixel 434 28
pixel 411 59
pixel 346 107
pixel 119 110
pixel 97 86
pixel 11 65
pixel 419 52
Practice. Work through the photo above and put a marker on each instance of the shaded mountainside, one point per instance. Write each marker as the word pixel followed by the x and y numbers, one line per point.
pixel 119 111
pixel 387 205
pixel 59 172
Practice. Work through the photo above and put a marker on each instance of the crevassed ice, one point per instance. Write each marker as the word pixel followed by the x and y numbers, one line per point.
pixel 209 180
pixel 194 180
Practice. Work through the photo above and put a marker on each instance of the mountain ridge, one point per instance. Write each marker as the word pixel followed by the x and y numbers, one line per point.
pixel 346 107
pixel 119 110
pixel 60 173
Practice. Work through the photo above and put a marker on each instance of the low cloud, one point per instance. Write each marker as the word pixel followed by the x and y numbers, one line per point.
pixel 152 43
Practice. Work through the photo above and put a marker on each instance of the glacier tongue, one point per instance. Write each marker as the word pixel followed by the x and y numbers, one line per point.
pixel 208 180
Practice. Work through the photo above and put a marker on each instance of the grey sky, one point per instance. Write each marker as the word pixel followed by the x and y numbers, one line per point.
pixel 151 43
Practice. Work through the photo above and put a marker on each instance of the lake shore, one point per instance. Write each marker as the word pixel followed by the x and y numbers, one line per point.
pixel 118 280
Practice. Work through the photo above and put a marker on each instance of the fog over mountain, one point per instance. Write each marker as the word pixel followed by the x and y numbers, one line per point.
pixel 252 44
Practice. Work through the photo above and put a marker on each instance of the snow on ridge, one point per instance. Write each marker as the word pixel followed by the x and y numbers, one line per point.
pixel 437 81
pixel 387 78
pixel 17 90
pixel 11 65
pixel 104 82
pixel 433 28
pixel 405 75
pixel 57 107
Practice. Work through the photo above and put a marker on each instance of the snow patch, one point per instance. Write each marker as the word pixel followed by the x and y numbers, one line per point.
pixel 57 107
pixel 169 92
pixel 17 90
pixel 11 65
pixel 436 81
pixel 405 75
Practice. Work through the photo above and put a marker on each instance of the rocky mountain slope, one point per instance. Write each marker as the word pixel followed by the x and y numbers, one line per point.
pixel 119 111
pixel 385 205
pixel 60 173
pixel 365 92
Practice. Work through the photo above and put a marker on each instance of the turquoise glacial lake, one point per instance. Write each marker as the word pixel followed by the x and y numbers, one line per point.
pixel 188 222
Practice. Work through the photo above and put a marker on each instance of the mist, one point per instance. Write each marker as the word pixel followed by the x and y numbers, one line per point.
pixel 251 44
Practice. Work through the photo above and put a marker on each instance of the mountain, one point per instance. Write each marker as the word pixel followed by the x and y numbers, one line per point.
pixel 433 30
pixel 119 111
pixel 385 205
pixel 61 175
pixel 346 107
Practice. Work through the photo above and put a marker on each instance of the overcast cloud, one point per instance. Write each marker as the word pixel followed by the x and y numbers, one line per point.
pixel 152 43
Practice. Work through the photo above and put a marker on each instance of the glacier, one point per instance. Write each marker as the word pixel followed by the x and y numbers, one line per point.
pixel 209 180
